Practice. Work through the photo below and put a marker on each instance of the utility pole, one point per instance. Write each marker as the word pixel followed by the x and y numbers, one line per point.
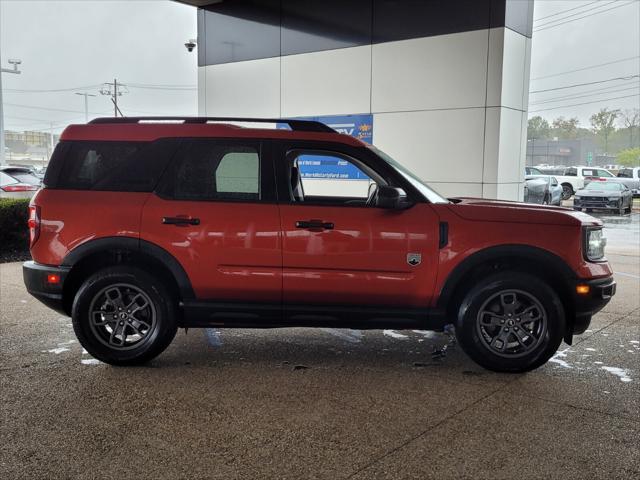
pixel 114 90
pixel 15 70
pixel 86 104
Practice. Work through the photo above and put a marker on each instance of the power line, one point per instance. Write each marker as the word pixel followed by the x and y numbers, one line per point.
pixel 564 11
pixel 586 16
pixel 23 90
pixel 49 109
pixel 585 103
pixel 587 68
pixel 587 83
pixel 603 89
pixel 572 97
pixel 576 14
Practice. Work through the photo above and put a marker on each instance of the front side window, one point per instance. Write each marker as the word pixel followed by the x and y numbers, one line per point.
pixel 604 173
pixel 625 173
pixel 214 170
pixel 329 177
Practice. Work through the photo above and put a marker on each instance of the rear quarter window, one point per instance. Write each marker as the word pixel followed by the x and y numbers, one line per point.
pixel 108 166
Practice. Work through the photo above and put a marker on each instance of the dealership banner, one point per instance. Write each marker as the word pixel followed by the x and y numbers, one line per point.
pixel 317 166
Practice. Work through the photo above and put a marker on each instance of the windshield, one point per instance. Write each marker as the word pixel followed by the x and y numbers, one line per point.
pixel 603 186
pixel 418 184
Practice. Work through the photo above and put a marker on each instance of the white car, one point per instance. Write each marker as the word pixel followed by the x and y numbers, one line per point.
pixel 18 182
pixel 575 178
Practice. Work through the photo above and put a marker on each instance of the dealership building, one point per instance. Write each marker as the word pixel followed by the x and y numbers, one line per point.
pixel 440 85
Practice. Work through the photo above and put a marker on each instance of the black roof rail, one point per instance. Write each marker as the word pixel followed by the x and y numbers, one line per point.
pixel 294 124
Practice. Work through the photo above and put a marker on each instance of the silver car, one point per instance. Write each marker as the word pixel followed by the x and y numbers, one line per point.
pixel 602 195
pixel 542 189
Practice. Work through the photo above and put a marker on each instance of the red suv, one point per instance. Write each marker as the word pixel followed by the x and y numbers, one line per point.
pixel 145 225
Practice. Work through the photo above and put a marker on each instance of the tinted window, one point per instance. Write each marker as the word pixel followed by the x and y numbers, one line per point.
pixel 241 30
pixel 6 179
pixel 214 170
pixel 311 26
pixel 626 173
pixel 108 166
pixel 571 172
pixel 24 176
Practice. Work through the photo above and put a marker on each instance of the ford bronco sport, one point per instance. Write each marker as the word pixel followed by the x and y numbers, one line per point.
pixel 146 225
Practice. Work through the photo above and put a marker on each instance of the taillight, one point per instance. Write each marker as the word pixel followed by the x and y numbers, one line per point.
pixel 34 224
pixel 20 187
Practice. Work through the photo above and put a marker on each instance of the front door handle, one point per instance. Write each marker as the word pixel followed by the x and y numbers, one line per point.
pixel 180 221
pixel 314 225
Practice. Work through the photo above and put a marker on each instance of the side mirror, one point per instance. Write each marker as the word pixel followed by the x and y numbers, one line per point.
pixel 392 198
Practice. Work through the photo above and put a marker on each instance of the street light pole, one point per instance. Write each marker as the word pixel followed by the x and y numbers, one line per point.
pixel 86 104
pixel 15 70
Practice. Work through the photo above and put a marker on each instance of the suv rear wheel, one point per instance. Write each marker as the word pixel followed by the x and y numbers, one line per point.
pixel 123 316
pixel 511 322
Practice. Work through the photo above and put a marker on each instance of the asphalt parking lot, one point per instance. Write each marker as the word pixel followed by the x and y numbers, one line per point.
pixel 328 403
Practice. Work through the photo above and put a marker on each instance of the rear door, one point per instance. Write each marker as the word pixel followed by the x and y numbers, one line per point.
pixel 215 212
pixel 340 250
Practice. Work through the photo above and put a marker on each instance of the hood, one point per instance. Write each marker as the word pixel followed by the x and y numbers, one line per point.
pixel 598 193
pixel 485 210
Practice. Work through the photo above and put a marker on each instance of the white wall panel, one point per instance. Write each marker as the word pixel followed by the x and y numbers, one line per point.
pixel 250 88
pixel 508 68
pixel 453 189
pixel 503 146
pixel 325 83
pixel 446 71
pixel 439 145
pixel 202 91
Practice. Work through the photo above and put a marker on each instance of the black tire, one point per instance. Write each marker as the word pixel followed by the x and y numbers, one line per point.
pixel 159 315
pixel 473 334
pixel 621 209
pixel 578 209
pixel 545 200
pixel 567 192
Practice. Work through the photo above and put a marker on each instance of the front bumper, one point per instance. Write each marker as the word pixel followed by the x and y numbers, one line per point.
pixel 36 280
pixel 601 290
pixel 597 203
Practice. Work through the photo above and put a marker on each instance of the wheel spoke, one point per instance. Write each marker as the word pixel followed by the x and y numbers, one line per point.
pixel 495 320
pixel 114 297
pixel 508 302
pixel 134 306
pixel 98 320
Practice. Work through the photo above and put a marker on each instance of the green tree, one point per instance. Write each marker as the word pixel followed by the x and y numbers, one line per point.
pixel 537 128
pixel 629 157
pixel 567 129
pixel 603 125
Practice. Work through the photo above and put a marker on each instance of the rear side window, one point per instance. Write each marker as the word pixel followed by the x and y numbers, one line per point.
pixel 109 166
pixel 626 173
pixel 214 170
pixel 571 172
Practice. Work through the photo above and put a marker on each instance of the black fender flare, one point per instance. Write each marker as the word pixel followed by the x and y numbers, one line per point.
pixel 526 252
pixel 136 245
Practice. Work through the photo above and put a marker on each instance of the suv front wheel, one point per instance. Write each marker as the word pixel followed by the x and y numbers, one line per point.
pixel 511 322
pixel 123 316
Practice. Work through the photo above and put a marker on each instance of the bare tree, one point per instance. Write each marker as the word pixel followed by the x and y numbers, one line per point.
pixel 631 121
pixel 603 124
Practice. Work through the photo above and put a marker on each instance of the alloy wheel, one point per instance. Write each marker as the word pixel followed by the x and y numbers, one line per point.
pixel 122 316
pixel 511 323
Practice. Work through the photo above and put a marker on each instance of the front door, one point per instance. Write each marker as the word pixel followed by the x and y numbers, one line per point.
pixel 215 212
pixel 338 248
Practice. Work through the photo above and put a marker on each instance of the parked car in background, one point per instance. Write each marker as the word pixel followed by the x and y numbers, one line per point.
pixel 604 195
pixel 629 176
pixel 532 171
pixel 542 189
pixel 575 178
pixel 18 182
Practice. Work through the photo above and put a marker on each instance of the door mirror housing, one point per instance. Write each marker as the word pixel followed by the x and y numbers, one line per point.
pixel 392 198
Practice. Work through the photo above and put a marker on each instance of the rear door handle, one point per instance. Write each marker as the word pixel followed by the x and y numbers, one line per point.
pixel 180 221
pixel 314 225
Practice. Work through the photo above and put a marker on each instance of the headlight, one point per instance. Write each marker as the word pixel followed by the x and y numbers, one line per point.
pixel 594 244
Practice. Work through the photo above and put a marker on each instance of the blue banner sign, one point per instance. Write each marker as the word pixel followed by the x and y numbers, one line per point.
pixel 318 166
